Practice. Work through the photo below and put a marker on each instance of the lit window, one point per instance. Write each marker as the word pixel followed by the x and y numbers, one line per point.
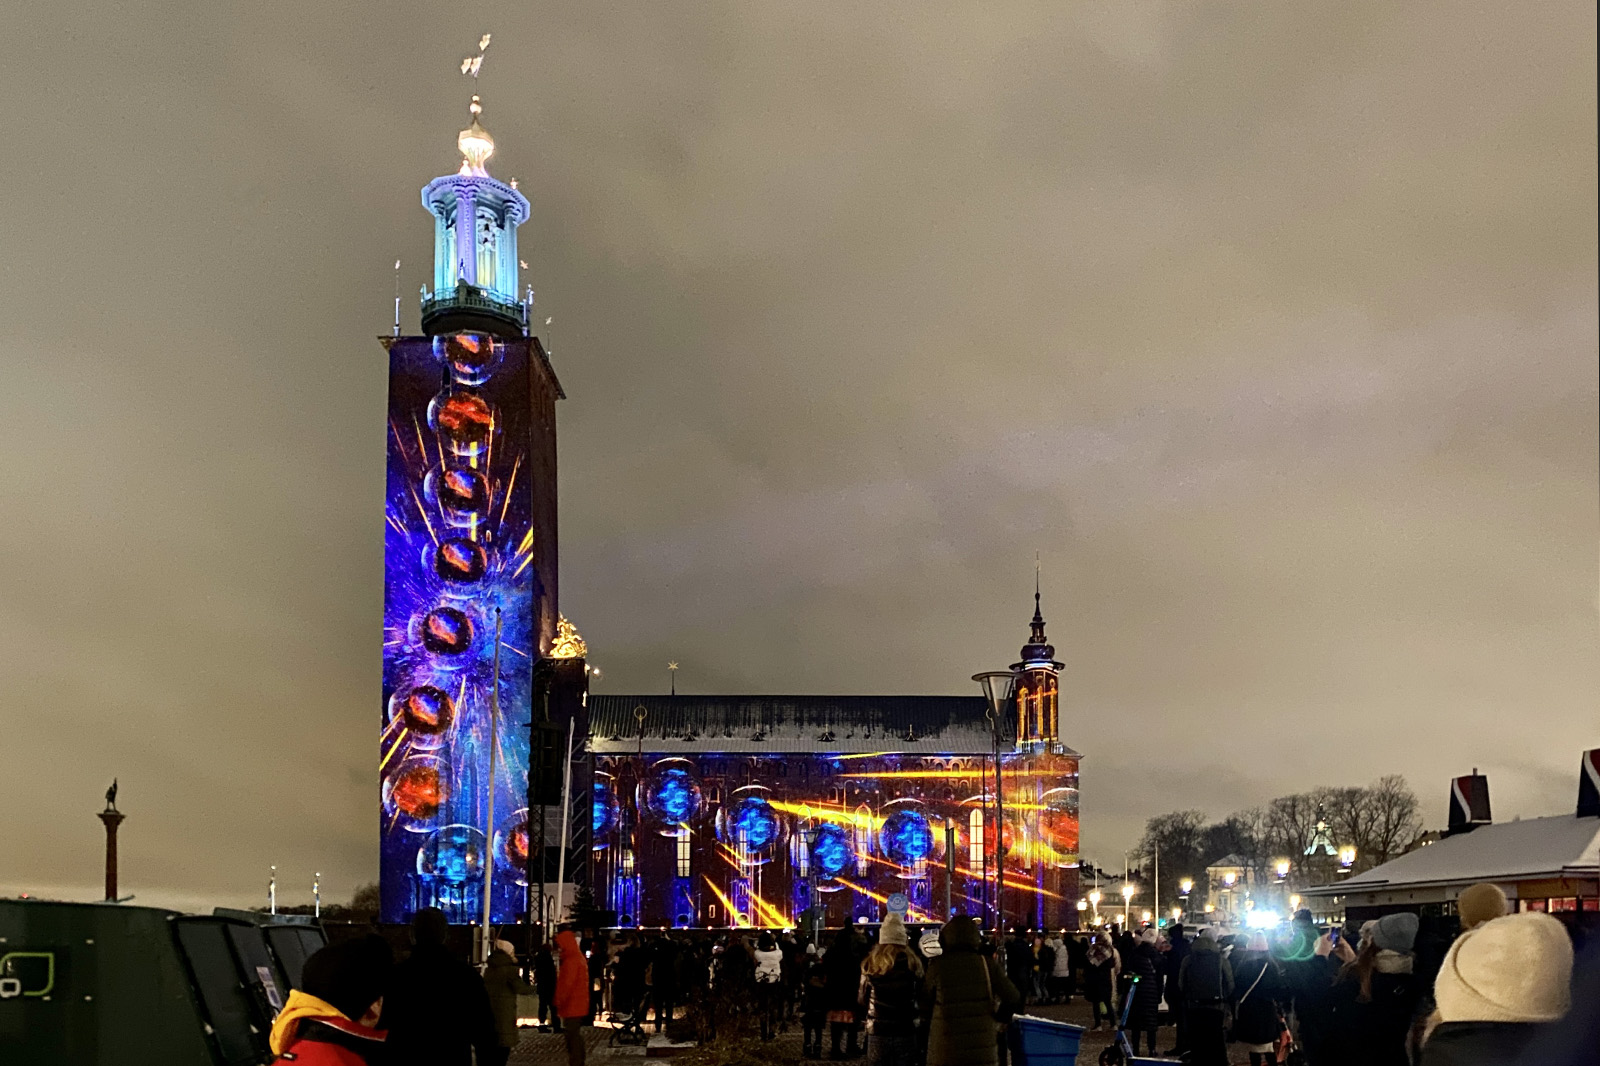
pixel 975 838
pixel 683 850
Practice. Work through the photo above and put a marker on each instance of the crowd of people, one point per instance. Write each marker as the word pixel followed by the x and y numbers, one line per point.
pixel 1385 993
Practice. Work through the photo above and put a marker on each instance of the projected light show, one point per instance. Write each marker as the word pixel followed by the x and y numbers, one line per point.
pixel 458 552
pixel 720 839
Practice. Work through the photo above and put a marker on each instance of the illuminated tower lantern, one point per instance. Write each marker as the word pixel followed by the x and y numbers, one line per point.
pixel 1038 686
pixel 1047 808
pixel 469 554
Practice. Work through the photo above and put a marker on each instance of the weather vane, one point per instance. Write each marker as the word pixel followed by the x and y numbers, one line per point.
pixel 472 64
pixel 672 675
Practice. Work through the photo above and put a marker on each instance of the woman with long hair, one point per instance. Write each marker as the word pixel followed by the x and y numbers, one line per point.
pixel 891 978
pixel 1099 977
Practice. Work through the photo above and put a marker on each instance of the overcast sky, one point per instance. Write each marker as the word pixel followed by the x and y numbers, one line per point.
pixel 1270 326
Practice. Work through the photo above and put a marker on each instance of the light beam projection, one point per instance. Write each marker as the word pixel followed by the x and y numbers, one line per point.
pixel 457 546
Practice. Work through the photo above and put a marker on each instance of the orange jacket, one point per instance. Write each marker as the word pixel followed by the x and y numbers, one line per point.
pixel 572 979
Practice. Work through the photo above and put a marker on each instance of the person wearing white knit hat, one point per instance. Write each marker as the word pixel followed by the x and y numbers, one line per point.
pixel 1500 984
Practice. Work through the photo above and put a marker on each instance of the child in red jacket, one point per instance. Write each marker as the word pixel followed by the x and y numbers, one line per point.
pixel 330 1019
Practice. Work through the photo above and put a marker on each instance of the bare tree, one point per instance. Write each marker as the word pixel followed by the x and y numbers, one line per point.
pixel 1395 824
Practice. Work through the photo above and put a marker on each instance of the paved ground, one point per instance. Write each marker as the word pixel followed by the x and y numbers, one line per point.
pixel 548 1049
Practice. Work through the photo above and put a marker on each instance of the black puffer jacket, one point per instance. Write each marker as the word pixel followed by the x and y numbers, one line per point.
pixel 958 1000
pixel 891 998
pixel 1144 962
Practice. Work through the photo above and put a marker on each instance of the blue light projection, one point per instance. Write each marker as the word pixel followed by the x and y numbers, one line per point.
pixel 458 553
pixel 831 852
pixel 906 837
pixel 671 796
pixel 752 821
pixel 605 812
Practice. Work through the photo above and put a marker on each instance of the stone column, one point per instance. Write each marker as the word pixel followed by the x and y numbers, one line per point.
pixel 112 820
pixel 465 267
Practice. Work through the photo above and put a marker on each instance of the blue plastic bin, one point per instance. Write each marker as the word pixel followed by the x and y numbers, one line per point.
pixel 1042 1042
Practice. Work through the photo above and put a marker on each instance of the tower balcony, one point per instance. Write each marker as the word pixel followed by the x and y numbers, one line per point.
pixel 469 309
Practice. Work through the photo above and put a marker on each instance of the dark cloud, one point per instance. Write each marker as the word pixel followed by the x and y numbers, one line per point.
pixel 1272 329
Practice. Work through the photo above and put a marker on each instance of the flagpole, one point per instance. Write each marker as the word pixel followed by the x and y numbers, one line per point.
pixel 566 810
pixel 494 751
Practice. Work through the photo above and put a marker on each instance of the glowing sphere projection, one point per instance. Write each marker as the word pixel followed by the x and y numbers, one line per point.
pixel 453 854
pixel 831 852
pixel 446 631
pixel 750 822
pixel 672 796
pixel 511 848
pixel 414 792
pixel 471 357
pixel 463 420
pixel 427 713
pixel 459 561
pixel 905 837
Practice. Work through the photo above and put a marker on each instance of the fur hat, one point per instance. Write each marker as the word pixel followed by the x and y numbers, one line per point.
pixel 1148 936
pixel 1517 968
pixel 506 946
pixel 1480 903
pixel 1396 932
pixel 893 931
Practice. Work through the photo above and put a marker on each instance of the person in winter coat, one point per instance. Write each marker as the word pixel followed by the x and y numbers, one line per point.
pixel 1371 1002
pixel 813 1003
pixel 843 963
pixel 891 978
pixel 1060 982
pixel 1020 963
pixel 1205 981
pixel 544 986
pixel 572 994
pixel 1501 986
pixel 1144 963
pixel 627 991
pixel 1124 943
pixel 329 1020
pixel 961 997
pixel 1099 978
pixel 436 1008
pixel 1177 951
pixel 504 984
pixel 1259 988
pixel 768 979
pixel 664 979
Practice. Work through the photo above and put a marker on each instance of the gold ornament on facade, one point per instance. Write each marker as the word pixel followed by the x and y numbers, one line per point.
pixel 568 644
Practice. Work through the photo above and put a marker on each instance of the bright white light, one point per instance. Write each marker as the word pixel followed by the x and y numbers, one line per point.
pixel 1262 919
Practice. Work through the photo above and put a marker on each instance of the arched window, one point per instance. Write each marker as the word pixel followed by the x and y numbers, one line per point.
pixel 975 838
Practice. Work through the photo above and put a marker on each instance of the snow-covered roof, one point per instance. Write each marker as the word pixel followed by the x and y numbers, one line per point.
pixel 1563 845
pixel 922 725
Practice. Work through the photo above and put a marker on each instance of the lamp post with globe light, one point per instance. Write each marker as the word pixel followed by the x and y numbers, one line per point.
pixel 1127 901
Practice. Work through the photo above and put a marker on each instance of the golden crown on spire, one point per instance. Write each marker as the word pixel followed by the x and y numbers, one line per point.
pixel 567 645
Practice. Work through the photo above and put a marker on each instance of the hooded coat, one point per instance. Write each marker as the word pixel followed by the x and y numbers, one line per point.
pixel 313 1032
pixel 504 984
pixel 572 978
pixel 958 999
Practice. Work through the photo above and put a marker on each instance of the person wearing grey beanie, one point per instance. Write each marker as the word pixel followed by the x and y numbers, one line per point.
pixel 1368 1009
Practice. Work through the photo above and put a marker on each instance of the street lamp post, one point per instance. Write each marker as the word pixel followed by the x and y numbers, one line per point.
pixel 998 688
pixel 1094 901
pixel 1127 901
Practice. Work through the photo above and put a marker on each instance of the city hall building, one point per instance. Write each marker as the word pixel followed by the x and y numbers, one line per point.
pixel 717 811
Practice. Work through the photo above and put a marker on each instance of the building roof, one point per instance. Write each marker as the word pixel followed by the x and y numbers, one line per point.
pixel 918 725
pixel 1534 848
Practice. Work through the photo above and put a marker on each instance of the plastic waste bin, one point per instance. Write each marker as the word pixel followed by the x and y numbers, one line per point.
pixel 1043 1042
